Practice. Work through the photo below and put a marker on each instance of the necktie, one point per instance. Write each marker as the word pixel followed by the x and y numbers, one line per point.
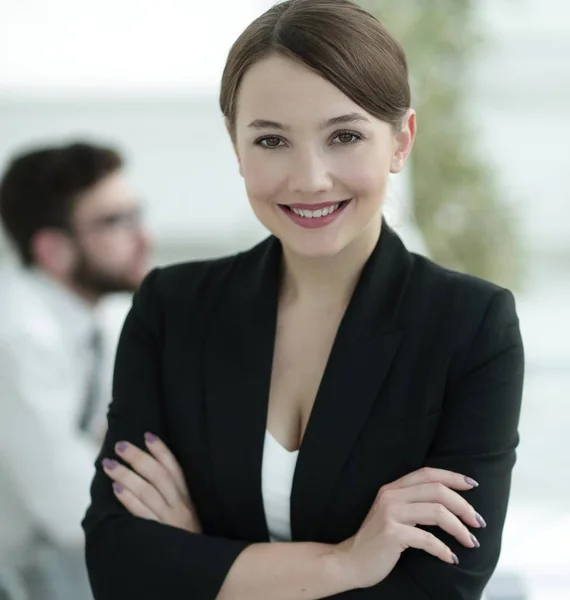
pixel 94 381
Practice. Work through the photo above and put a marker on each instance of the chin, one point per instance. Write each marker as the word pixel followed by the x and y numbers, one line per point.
pixel 315 248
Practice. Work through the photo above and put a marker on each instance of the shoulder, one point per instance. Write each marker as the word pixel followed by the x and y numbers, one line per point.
pixel 184 280
pixel 189 286
pixel 31 344
pixel 451 284
pixel 25 320
pixel 460 312
pixel 458 295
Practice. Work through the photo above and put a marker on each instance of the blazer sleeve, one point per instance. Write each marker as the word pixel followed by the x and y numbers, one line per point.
pixel 477 436
pixel 129 557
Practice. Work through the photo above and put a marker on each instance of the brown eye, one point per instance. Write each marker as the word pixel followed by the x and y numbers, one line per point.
pixel 346 138
pixel 270 142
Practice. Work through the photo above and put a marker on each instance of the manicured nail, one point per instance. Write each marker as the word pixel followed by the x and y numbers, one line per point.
pixel 475 541
pixel 150 437
pixel 454 558
pixel 121 446
pixel 471 482
pixel 117 487
pixel 109 463
pixel 480 520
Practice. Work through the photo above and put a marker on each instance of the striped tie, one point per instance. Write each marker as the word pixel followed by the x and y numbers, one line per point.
pixel 93 385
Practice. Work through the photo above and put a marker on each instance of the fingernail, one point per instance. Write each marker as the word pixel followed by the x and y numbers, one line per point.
pixel 475 541
pixel 454 558
pixel 121 446
pixel 480 520
pixel 109 463
pixel 117 487
pixel 150 437
pixel 471 482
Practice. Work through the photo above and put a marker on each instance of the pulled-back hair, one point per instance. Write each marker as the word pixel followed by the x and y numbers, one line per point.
pixel 338 40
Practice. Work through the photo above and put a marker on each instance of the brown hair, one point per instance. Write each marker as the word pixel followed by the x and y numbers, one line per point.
pixel 337 39
pixel 40 188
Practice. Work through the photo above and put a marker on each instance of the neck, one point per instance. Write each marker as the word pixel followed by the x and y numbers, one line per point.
pixel 88 296
pixel 318 281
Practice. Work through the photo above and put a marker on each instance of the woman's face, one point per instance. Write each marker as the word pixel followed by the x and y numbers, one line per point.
pixel 315 164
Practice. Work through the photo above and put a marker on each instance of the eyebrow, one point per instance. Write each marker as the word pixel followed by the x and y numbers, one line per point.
pixel 350 118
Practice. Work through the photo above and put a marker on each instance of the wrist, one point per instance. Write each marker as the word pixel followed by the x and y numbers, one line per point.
pixel 339 567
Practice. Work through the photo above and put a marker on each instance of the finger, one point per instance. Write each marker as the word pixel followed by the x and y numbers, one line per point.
pixel 412 537
pixel 132 503
pixel 163 454
pixel 423 513
pixel 139 487
pixel 150 469
pixel 438 493
pixel 455 481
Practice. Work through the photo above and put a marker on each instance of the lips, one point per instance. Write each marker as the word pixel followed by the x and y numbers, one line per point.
pixel 314 216
pixel 315 211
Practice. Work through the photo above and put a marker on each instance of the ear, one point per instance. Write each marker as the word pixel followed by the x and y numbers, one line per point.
pixel 404 141
pixel 234 143
pixel 54 251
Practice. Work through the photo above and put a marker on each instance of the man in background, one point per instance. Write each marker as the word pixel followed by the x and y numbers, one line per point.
pixel 75 225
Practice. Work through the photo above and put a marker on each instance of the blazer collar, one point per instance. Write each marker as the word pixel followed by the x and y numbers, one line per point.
pixel 237 372
pixel 374 306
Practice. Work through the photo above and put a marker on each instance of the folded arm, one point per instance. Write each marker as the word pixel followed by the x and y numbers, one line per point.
pixel 132 557
pixel 478 435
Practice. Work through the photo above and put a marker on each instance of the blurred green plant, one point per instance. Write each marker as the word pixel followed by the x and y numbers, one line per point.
pixel 457 200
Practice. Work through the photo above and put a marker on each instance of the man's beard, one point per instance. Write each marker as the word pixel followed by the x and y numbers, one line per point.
pixel 97 282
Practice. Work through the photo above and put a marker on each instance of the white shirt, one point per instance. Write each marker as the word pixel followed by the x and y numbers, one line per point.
pixel 277 471
pixel 46 462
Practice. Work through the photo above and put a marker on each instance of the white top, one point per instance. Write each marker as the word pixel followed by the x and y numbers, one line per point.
pixel 278 469
pixel 46 462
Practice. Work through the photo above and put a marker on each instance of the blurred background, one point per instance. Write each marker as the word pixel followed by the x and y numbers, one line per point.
pixel 485 192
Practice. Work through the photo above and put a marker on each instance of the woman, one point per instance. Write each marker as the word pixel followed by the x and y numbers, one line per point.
pixel 327 391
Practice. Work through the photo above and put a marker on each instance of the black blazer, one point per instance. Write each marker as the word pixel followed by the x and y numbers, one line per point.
pixel 426 369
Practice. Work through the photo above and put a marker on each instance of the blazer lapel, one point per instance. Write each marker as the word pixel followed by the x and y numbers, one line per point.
pixel 365 345
pixel 238 356
pixel 237 369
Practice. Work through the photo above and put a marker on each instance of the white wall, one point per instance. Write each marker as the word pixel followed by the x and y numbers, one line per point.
pixel 124 45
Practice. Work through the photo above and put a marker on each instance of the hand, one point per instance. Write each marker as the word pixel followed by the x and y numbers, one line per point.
pixel 424 497
pixel 156 488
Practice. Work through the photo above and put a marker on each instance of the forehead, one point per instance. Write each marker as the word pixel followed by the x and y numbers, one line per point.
pixel 282 89
pixel 113 193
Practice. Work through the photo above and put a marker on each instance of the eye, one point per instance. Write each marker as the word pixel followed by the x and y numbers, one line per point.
pixel 270 142
pixel 346 137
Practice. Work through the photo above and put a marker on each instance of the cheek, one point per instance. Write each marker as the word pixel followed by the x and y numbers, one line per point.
pixel 363 175
pixel 123 249
pixel 110 252
pixel 263 178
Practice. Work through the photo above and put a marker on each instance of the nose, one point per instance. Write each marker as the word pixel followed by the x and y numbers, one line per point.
pixel 310 174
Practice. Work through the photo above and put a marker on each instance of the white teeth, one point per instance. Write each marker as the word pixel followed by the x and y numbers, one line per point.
pixel 315 214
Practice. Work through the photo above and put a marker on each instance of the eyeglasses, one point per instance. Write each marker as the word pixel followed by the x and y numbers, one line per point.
pixel 118 221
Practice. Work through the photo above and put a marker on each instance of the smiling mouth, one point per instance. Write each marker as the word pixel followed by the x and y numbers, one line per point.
pixel 317 213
